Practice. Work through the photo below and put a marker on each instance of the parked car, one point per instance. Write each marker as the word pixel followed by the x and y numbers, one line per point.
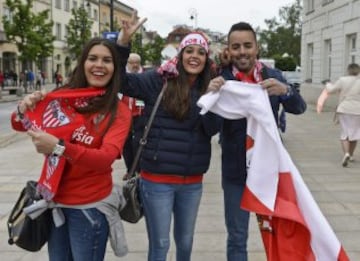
pixel 293 78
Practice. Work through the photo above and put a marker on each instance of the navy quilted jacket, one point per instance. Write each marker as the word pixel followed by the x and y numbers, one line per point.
pixel 173 147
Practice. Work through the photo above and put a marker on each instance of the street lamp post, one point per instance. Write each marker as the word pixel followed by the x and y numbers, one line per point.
pixel 111 15
pixel 193 16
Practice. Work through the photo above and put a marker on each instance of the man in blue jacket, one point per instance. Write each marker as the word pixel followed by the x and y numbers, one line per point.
pixel 242 53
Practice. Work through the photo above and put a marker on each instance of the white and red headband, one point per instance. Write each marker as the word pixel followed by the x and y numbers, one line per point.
pixel 194 38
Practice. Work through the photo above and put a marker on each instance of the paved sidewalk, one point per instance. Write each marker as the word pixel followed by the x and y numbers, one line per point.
pixel 312 141
pixel 5 95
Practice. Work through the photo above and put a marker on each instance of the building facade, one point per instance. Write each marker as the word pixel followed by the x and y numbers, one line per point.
pixel 330 38
pixel 60 14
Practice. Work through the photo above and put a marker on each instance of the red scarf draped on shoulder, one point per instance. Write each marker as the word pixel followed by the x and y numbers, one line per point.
pixel 56 114
pixel 254 76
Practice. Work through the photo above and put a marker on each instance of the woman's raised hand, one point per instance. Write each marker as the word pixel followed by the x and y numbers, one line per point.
pixel 129 27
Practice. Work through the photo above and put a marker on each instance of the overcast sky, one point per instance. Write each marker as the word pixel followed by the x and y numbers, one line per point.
pixel 216 15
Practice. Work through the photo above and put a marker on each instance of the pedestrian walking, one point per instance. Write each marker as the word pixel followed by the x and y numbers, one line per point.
pixel 15 78
pixel 30 78
pixel 58 78
pixel 2 80
pixel 347 110
pixel 39 81
pixel 22 79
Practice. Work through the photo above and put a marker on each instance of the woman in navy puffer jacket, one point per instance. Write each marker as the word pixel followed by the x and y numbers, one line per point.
pixel 178 148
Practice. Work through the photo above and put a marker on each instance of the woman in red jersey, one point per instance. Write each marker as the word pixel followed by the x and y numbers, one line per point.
pixel 81 129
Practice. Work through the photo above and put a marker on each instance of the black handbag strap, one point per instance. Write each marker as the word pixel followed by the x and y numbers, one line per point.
pixel 17 209
pixel 143 139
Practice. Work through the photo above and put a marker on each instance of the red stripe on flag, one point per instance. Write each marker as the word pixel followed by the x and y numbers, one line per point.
pixel 342 255
pixel 249 142
pixel 251 203
pixel 284 232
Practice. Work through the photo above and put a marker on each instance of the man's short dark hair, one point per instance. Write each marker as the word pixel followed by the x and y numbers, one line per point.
pixel 242 26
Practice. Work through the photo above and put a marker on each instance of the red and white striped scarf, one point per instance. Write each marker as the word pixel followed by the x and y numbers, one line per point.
pixel 56 114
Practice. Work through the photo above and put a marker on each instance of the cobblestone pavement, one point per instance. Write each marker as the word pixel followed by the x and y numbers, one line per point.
pixel 312 141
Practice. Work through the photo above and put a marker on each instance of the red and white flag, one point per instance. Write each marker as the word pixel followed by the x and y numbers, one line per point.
pixel 291 224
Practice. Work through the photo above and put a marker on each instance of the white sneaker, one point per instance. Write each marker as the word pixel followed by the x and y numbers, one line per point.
pixel 351 159
pixel 346 159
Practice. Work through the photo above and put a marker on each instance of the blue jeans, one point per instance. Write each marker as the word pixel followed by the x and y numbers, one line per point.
pixel 160 201
pixel 236 221
pixel 83 237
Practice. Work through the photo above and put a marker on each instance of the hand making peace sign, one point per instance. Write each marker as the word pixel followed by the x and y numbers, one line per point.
pixel 129 27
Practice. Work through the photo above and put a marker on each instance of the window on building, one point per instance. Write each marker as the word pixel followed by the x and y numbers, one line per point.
pixel 327 59
pixel 325 2
pixel 7 13
pixel 75 4
pixel 58 4
pixel 310 61
pixel 58 31
pixel 95 14
pixel 351 48
pixel 67 5
pixel 88 9
pixel 104 18
pixel 309 6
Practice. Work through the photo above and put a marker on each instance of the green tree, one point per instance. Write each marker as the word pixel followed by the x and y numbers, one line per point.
pixel 42 37
pixel 286 63
pixel 282 35
pixel 150 52
pixel 31 33
pixel 137 47
pixel 78 31
pixel 153 50
pixel 116 26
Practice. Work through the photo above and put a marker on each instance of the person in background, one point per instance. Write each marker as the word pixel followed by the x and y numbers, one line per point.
pixel 92 128
pixel 178 149
pixel 43 76
pixel 39 81
pixel 15 78
pixel 55 75
pixel 134 63
pixel 136 106
pixel 2 80
pixel 22 79
pixel 241 63
pixel 59 79
pixel 30 78
pixel 348 110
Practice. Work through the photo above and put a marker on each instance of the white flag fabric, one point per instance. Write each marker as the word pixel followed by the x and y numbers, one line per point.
pixel 291 223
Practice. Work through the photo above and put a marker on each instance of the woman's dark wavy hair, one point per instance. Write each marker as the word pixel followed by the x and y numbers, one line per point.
pixel 106 103
pixel 177 97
